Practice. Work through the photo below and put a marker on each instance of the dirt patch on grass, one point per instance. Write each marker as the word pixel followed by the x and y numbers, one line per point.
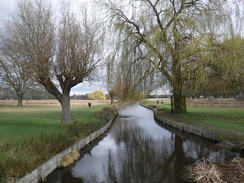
pixel 224 172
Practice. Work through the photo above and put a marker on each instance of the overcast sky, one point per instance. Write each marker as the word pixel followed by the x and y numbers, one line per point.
pixel 9 5
pixel 5 7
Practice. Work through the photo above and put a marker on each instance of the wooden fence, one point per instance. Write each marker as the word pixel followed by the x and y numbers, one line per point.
pixel 215 103
pixel 45 169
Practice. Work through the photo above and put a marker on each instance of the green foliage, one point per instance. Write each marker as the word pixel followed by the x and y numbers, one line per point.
pixel 176 39
pixel 221 71
pixel 97 95
pixel 126 92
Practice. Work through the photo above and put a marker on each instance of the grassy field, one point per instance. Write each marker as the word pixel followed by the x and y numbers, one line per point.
pixel 32 134
pixel 229 122
pixel 31 120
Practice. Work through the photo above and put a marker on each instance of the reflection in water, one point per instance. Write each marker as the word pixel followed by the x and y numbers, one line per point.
pixel 138 150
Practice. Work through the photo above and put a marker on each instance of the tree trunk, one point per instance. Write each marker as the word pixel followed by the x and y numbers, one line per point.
pixel 179 101
pixel 66 118
pixel 111 94
pixel 180 156
pixel 179 104
pixel 112 100
pixel 20 99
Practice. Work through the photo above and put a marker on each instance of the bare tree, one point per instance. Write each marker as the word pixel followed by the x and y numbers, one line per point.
pixel 174 34
pixel 63 52
pixel 15 69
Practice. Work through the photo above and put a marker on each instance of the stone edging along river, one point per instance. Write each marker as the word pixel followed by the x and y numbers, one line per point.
pixel 40 173
pixel 139 149
pixel 199 131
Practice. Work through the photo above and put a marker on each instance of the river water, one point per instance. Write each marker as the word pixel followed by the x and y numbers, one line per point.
pixel 138 150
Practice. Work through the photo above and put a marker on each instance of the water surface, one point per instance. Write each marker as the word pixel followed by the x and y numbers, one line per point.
pixel 138 150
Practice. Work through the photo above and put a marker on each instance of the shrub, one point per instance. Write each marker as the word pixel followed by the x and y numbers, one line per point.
pixel 70 158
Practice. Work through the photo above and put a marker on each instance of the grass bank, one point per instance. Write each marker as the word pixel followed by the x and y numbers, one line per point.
pixel 228 122
pixel 30 135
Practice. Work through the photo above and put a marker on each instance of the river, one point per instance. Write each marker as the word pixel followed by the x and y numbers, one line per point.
pixel 138 150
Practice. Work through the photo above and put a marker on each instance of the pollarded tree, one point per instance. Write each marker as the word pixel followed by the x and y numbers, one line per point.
pixel 172 33
pixel 62 53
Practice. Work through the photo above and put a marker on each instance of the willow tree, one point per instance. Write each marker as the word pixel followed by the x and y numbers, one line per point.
pixel 174 34
pixel 227 77
pixel 63 51
pixel 128 76
pixel 111 79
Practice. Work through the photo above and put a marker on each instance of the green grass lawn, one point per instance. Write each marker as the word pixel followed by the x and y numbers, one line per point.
pixel 28 121
pixel 228 121
pixel 32 134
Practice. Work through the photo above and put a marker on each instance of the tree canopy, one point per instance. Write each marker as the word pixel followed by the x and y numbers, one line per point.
pixel 62 52
pixel 97 95
pixel 15 69
pixel 173 37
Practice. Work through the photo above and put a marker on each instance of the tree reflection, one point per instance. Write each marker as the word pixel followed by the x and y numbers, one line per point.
pixel 139 155
pixel 144 159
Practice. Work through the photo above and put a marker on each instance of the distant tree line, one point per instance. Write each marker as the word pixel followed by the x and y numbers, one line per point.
pixel 7 93
pixel 95 95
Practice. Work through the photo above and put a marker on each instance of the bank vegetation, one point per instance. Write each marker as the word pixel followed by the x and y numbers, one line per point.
pixel 18 157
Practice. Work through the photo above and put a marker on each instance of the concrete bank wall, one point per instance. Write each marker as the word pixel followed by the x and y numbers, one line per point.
pixel 202 132
pixel 196 130
pixel 45 169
